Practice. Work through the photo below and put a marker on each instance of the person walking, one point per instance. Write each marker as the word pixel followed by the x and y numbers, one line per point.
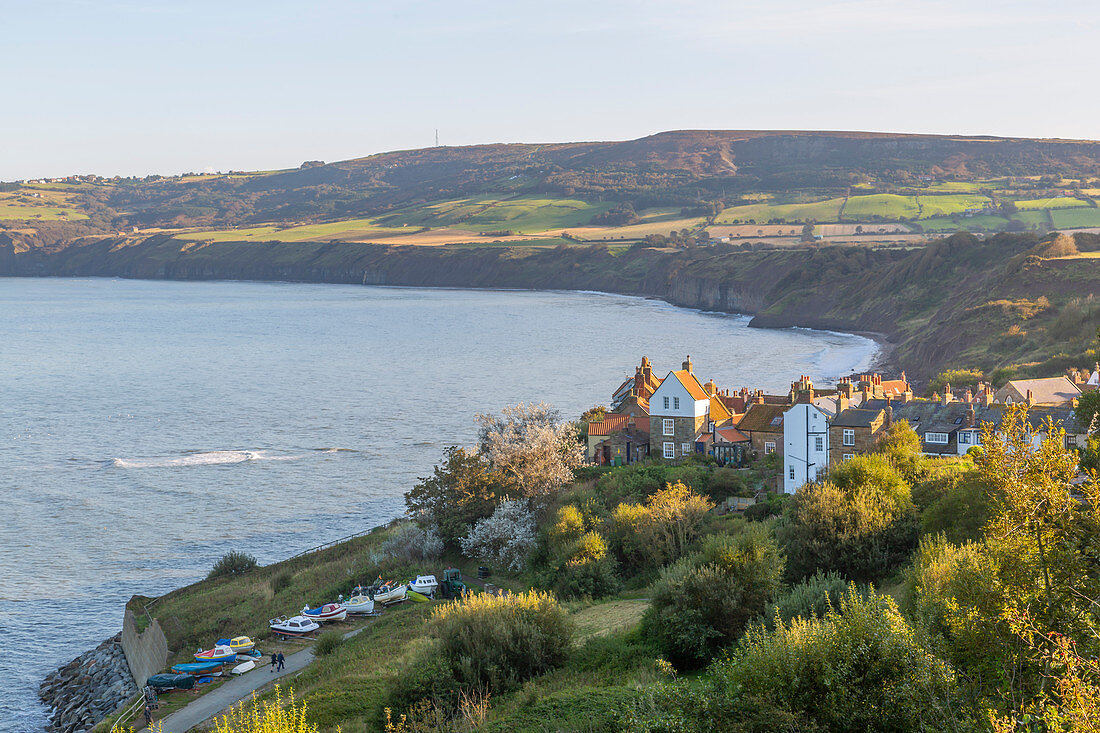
pixel 148 716
pixel 282 661
pixel 274 660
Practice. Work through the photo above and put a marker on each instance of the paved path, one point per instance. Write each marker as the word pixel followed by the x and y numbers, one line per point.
pixel 235 690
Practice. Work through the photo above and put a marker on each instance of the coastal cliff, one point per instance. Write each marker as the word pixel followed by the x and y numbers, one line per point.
pixel 996 303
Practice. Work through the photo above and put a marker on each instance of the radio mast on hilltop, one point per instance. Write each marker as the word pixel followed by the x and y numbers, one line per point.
pixel 437 137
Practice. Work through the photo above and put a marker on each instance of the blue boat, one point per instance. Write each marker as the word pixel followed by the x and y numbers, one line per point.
pixel 199 668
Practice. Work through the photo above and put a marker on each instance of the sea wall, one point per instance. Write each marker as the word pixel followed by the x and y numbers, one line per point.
pixel 89 688
pixel 146 651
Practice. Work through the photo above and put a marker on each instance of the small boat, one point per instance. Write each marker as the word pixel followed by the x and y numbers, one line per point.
pixel 246 667
pixel 296 626
pixel 362 604
pixel 239 644
pixel 425 585
pixel 327 612
pixel 253 654
pixel 199 668
pixel 418 597
pixel 390 593
pixel 171 682
pixel 219 653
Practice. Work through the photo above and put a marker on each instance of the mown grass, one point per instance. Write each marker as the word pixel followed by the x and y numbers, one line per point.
pixel 881 205
pixel 1054 202
pixel 818 211
pixel 1076 218
pixel 522 214
pixel 329 230
pixel 946 205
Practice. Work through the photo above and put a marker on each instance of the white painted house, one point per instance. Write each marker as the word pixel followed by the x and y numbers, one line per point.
pixel 805 445
pixel 678 412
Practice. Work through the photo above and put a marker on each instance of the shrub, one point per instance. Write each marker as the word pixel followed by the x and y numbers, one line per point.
pixel 327 643
pixel 232 563
pixel 704 602
pixel 772 505
pixel 959 506
pixel 811 598
pixel 662 530
pixel 577 558
pixel 505 538
pixel 860 522
pixel 281 581
pixel 858 669
pixel 460 491
pixel 281 715
pixel 412 543
pixel 494 643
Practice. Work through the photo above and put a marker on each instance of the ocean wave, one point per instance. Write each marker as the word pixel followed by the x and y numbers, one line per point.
pixel 207 458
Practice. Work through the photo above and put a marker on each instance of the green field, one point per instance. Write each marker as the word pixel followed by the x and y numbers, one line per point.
pixel 523 214
pixel 1076 218
pixel 818 211
pixel 950 204
pixel 332 230
pixel 951 187
pixel 1057 202
pixel 881 205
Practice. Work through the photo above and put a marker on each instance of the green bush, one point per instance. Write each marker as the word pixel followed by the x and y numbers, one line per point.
pixel 858 669
pixel 959 506
pixel 772 505
pixel 704 602
pixel 860 522
pixel 811 598
pixel 232 563
pixel 494 643
pixel 327 643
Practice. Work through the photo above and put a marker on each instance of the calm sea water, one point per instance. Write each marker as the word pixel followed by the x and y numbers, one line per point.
pixel 146 428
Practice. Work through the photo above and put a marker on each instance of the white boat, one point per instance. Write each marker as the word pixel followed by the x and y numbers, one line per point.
pixel 326 612
pixel 359 604
pixel 296 626
pixel 246 667
pixel 424 584
pixel 390 593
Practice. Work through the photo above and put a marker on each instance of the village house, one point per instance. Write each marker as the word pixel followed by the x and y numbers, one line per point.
pixel 618 439
pixel 680 409
pixel 1048 391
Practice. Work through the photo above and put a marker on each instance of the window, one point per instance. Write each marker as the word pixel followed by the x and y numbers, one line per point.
pixel 848 456
pixel 669 426
pixel 685 449
pixel 666 403
pixel 790 472
pixel 849 436
pixel 1071 441
pixel 937 438
pixel 819 444
pixel 675 403
pixel 669 450
pixel 769 448
pixel 964 438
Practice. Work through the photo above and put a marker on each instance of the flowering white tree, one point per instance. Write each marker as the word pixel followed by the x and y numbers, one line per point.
pixel 410 542
pixel 505 538
pixel 531 446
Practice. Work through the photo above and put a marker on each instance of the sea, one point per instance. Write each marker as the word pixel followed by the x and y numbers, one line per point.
pixel 149 427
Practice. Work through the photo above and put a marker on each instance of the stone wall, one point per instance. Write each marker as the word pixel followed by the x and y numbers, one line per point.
pixel 89 688
pixel 685 430
pixel 147 651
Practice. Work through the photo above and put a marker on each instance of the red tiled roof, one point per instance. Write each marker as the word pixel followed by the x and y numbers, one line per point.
pixel 612 424
pixel 731 435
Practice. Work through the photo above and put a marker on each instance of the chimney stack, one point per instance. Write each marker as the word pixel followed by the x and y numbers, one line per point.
pixel 971 417
pixel 968 396
pixel 907 395
pixel 889 413
pixel 844 388
pixel 987 396
pixel 841 403
pixel 687 364
pixel 1030 399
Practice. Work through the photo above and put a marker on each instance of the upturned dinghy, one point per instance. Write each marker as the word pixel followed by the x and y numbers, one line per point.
pixel 199 668
pixel 246 667
pixel 327 612
pixel 359 604
pixel 296 626
pixel 218 654
pixel 425 585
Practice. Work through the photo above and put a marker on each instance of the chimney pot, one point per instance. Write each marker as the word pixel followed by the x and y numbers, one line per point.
pixel 687 364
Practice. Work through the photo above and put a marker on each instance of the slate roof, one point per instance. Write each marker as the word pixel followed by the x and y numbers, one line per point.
pixel 1047 391
pixel 856 417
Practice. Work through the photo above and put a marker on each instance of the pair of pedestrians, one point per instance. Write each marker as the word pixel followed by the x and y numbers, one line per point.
pixel 278 662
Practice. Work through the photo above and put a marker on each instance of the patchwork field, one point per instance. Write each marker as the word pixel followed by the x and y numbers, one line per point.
pixel 949 204
pixel 523 214
pixel 31 204
pixel 1056 202
pixel 819 211
pixel 1076 218
pixel 882 206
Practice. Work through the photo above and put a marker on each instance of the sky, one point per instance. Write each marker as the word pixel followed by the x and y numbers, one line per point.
pixel 138 87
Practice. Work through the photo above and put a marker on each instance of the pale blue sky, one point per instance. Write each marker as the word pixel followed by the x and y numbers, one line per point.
pixel 133 87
